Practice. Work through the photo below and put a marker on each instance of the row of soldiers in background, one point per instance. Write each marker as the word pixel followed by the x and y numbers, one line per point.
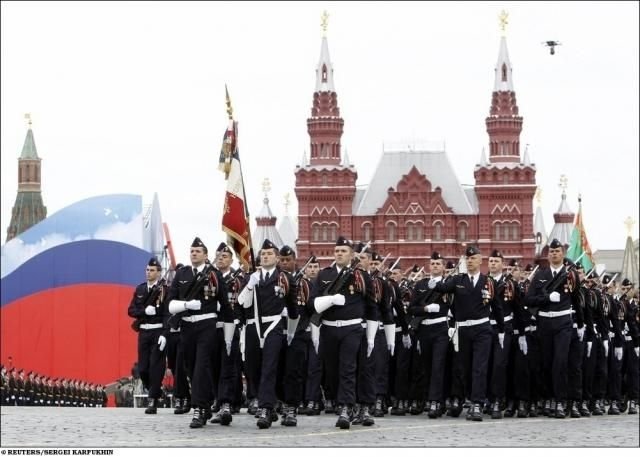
pixel 356 338
pixel 33 389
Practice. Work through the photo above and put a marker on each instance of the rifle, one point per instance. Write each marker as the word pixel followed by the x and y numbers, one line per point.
pixel 300 273
pixel 195 287
pixel 151 299
pixel 336 286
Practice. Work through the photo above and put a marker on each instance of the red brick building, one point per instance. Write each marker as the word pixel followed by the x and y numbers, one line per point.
pixel 414 203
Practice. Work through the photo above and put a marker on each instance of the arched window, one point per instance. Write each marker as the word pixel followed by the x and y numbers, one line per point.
pixel 366 232
pixel 462 231
pixel 437 230
pixel 515 231
pixel 418 232
pixel 325 181
pixel 410 232
pixel 333 232
pixel 391 231
pixel 315 230
pixel 498 231
pixel 324 233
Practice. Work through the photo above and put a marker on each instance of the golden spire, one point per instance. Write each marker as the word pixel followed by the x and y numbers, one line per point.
pixel 324 22
pixel 229 108
pixel 563 183
pixel 266 187
pixel 629 222
pixel 504 20
pixel 27 116
pixel 286 203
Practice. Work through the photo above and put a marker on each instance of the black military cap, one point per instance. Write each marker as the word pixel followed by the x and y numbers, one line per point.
pixel 342 241
pixel 471 250
pixel 359 247
pixel 579 266
pixel 567 262
pixel 592 275
pixel 178 266
pixel 555 244
pixel 197 243
pixel 450 265
pixel 435 255
pixel 415 269
pixel 606 279
pixel 267 244
pixel 286 250
pixel 496 253
pixel 224 248
pixel 376 256
pixel 153 262
pixel 513 263
pixel 528 268
pixel 398 266
pixel 313 259
pixel 626 282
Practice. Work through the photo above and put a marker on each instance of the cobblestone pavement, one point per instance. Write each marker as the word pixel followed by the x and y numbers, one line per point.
pixel 128 427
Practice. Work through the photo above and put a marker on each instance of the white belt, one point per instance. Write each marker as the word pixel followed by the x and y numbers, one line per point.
pixel 342 323
pixel 627 338
pixel 150 326
pixel 506 319
pixel 473 322
pixel 219 324
pixel 174 330
pixel 199 317
pixel 265 319
pixel 554 313
pixel 398 329
pixel 437 320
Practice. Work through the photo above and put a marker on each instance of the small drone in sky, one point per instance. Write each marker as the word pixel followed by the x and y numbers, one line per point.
pixel 552 46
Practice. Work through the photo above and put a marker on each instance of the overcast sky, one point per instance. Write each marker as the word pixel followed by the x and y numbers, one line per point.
pixel 129 97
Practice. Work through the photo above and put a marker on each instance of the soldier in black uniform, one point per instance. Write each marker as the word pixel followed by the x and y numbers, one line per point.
pixel 227 386
pixel 631 368
pixel 341 332
pixel 616 325
pixel 194 297
pixel 148 307
pixel 552 291
pixel 432 333
pixel 576 349
pixel 267 292
pixel 474 302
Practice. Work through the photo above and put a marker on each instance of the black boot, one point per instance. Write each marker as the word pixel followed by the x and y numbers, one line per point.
pixel 415 408
pixel 329 407
pixel 289 416
pixel 584 409
pixel 367 420
pixel 225 414
pixel 253 407
pixel 303 408
pixel 597 408
pixel 547 408
pixel 357 415
pixel 633 407
pixel 496 412
pixel 455 409
pixel 510 410
pixel 475 413
pixel 434 410
pixel 264 418
pixel 314 408
pixel 152 406
pixel 522 409
pixel 574 411
pixel 560 413
pixel 394 407
pixel 613 408
pixel 378 410
pixel 199 418
pixel 344 419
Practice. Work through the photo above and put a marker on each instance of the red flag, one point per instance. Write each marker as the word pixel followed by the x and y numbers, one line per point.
pixel 235 216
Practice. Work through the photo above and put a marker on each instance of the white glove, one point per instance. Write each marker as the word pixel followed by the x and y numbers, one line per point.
pixel 176 306
pixel 581 333
pixel 150 310
pixel 372 328
pixel 253 279
pixel 637 351
pixel 456 341
pixel 406 341
pixel 589 345
pixel 162 342
pixel 432 283
pixel 554 297
pixel 193 304
pixel 522 342
pixel 337 299
pixel 315 337
pixel 501 340
pixel 390 336
pixel 228 329
pixel 617 352
pixel 322 304
pixel 432 308
pixel 450 332
pixel 605 343
pixel 418 348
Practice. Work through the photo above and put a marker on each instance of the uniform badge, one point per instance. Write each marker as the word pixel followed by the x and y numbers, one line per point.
pixel 351 289
pixel 206 292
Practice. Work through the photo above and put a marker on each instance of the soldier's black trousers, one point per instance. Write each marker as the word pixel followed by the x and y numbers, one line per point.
pixel 216 360
pixel 555 337
pixel 434 342
pixel 589 368
pixel 151 361
pixel 175 362
pixel 381 367
pixel 314 372
pixel 599 388
pixel 526 377
pixel 500 362
pixel 631 371
pixel 475 347
pixel 399 369
pixel 418 383
pixel 366 388
pixel 615 374
pixel 295 370
pixel 339 348
pixel 262 364
pixel 574 368
pixel 229 371
pixel 198 342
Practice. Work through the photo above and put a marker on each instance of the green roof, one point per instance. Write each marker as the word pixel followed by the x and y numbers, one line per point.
pixel 29 149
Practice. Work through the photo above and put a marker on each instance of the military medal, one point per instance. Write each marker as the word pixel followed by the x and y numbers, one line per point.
pixel 206 292
pixel 351 289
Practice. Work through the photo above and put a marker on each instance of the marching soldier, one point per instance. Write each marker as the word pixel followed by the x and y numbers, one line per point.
pixel 553 291
pixel 149 309
pixel 432 332
pixel 632 343
pixel 616 324
pixel 267 292
pixel 401 361
pixel 339 294
pixel 194 297
pixel 474 302
pixel 576 349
